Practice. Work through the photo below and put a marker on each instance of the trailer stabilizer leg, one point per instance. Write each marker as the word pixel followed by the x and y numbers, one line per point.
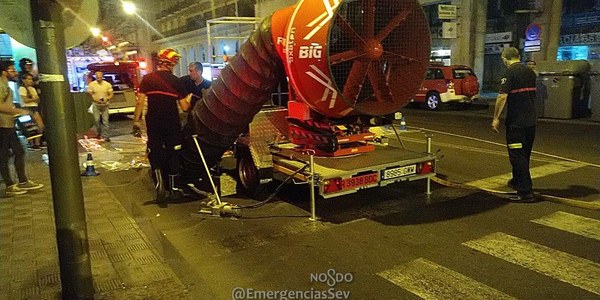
pixel 216 208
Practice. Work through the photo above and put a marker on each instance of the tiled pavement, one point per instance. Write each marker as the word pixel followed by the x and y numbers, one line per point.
pixel 124 263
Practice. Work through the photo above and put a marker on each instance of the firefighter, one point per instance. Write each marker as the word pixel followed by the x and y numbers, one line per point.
pixel 166 95
pixel 518 91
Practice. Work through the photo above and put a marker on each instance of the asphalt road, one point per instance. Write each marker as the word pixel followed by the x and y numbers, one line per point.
pixel 395 242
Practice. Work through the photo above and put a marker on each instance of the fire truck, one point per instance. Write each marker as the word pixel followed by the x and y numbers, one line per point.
pixel 125 77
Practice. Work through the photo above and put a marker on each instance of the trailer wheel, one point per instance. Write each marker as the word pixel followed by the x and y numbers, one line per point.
pixel 247 176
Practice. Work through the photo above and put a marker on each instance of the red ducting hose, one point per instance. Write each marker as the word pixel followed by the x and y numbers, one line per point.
pixel 244 85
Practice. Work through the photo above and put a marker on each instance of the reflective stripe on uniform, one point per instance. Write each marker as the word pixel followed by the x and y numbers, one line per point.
pixel 522 90
pixel 515 146
pixel 177 147
pixel 162 93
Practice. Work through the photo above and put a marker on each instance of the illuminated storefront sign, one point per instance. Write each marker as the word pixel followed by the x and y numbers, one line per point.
pixel 580 38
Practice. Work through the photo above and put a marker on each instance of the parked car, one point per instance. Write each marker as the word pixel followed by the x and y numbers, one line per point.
pixel 445 84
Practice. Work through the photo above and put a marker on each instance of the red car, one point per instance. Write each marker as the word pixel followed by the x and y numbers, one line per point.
pixel 445 84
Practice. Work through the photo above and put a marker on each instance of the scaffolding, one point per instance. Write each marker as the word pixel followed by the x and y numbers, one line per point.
pixel 231 29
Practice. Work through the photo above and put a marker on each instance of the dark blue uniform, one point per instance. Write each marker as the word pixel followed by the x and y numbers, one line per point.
pixel 196 90
pixel 519 83
pixel 165 139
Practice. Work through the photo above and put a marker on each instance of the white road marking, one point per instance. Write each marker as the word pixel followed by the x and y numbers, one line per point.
pixel 537 172
pixel 559 265
pixel 579 225
pixel 429 280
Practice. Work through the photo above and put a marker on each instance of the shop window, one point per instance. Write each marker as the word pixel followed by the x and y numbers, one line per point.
pixel 572 53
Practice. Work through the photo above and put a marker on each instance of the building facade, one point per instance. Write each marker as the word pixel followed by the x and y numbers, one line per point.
pixel 474 36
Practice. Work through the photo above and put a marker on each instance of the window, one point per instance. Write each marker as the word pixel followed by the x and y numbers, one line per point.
pixel 434 74
pixel 119 81
pixel 461 73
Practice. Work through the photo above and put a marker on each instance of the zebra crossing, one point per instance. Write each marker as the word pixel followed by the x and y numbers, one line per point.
pixel 428 280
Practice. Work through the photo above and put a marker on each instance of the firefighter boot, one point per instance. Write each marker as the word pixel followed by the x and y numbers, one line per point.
pixel 159 186
pixel 176 192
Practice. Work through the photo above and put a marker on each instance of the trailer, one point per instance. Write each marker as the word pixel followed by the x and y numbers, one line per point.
pixel 265 153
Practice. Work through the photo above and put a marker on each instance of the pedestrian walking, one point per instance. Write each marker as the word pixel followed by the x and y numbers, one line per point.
pixel 518 93
pixel 9 141
pixel 101 92
pixel 166 96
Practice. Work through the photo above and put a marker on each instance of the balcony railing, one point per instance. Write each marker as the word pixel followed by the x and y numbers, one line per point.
pixel 191 25
pixel 177 7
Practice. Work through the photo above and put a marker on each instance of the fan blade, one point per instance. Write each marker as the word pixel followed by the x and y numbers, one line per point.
pixel 395 22
pixel 343 24
pixel 379 83
pixel 355 80
pixel 369 20
pixel 344 56
pixel 395 58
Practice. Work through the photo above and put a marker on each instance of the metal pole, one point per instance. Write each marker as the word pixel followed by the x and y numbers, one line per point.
pixel 554 30
pixel 67 193
pixel 212 183
pixel 313 212
pixel 210 51
pixel 429 138
pixel 479 41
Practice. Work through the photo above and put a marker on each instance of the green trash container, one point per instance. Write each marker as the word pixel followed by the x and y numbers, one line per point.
pixel 563 89
pixel 595 92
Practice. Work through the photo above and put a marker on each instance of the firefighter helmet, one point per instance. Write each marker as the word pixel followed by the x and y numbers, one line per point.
pixel 168 56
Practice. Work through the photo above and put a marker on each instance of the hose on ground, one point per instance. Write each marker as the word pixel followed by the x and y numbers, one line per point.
pixel 593 205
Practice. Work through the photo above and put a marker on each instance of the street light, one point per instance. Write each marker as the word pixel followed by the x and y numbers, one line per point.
pixel 129 7
pixel 95 31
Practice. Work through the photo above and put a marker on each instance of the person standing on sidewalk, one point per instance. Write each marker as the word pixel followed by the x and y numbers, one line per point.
pixel 8 136
pixel 101 92
pixel 166 96
pixel 26 65
pixel 30 101
pixel 518 92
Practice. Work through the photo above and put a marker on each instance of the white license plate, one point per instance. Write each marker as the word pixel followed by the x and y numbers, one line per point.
pixel 399 172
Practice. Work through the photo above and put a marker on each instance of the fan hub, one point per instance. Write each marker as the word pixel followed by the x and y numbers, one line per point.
pixel 373 50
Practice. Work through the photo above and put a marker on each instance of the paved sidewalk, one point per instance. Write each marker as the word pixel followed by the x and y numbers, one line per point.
pixel 125 265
